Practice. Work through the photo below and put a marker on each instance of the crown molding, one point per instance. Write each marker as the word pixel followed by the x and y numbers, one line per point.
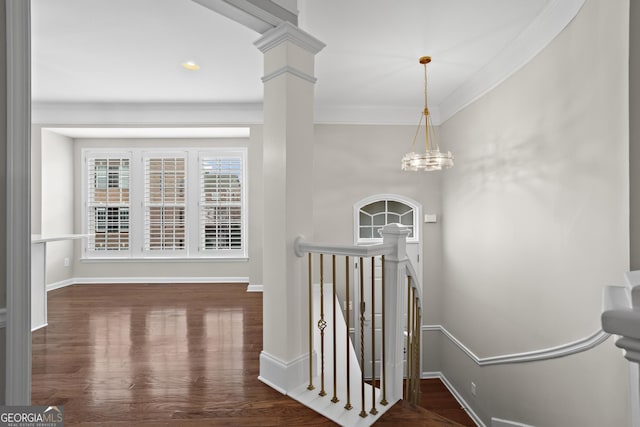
pixel 542 30
pixel 371 115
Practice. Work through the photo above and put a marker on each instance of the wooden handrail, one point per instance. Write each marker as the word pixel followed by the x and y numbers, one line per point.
pixel 415 283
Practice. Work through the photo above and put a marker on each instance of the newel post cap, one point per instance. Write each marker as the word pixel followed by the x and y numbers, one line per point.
pixel 396 235
pixel 394 230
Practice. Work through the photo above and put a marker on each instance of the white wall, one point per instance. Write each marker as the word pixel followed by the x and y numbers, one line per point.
pixel 536 223
pixel 57 202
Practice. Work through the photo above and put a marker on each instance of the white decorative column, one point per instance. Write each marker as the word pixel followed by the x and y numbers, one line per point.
pixel 17 203
pixel 395 294
pixel 288 180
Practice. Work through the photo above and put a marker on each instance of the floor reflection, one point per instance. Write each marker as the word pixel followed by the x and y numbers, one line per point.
pixel 183 344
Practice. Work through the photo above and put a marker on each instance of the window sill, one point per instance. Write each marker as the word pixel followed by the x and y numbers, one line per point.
pixel 163 259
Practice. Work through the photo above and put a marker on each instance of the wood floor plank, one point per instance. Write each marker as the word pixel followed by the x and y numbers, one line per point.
pixel 170 354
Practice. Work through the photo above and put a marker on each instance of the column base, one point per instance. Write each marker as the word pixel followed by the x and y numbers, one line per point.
pixel 285 376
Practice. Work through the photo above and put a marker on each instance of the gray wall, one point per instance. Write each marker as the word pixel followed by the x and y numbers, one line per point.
pixel 352 162
pixel 536 216
pixel 634 132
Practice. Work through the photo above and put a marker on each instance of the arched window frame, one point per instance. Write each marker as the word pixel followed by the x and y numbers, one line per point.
pixel 385 198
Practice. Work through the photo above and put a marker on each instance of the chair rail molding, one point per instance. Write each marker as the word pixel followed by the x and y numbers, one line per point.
pixel 573 347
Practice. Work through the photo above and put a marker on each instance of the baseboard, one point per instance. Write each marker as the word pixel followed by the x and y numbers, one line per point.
pixel 142 280
pixel 283 376
pixel 463 403
pixel 39 327
pixel 60 284
pixel 497 422
pixel 255 288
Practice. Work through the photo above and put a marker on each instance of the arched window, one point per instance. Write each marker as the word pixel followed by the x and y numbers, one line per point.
pixel 373 213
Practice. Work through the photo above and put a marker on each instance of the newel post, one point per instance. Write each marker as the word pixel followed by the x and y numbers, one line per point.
pixel 395 297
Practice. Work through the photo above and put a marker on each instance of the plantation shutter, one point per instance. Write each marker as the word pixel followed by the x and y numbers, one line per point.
pixel 108 203
pixel 221 203
pixel 164 204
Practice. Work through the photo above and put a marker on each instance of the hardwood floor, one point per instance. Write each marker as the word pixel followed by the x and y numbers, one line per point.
pixel 151 355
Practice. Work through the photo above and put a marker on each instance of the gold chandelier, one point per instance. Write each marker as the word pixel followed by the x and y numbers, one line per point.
pixel 432 159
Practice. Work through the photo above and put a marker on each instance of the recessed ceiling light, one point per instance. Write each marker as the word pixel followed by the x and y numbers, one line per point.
pixel 190 65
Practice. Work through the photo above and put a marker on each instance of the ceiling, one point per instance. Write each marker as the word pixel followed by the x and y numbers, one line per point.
pixel 130 52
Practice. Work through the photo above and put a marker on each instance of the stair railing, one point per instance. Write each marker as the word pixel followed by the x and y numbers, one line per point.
pixel 414 336
pixel 399 290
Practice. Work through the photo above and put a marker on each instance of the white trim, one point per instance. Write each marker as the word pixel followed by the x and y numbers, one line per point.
pixel 290 70
pixel 155 132
pixel 547 25
pixel 137 156
pixel 287 32
pixel 262 14
pixel 632 284
pixel 272 385
pixel 3 318
pixel 463 403
pixel 385 115
pixel 59 285
pixel 283 376
pixel 257 18
pixel 18 204
pixel 498 422
pixel 40 326
pixel 255 288
pixel 301 247
pixel 147 113
pixel 144 280
pixel 562 350
pixel 163 259
pixel 417 215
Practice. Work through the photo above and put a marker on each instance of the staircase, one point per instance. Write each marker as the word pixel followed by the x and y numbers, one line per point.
pixel 337 387
pixel 326 405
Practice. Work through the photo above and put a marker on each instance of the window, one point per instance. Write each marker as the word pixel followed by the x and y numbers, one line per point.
pixel 148 204
pixel 220 203
pixel 373 215
pixel 165 203
pixel 108 203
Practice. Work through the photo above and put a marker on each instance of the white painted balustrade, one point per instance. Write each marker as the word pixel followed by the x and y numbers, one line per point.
pixel 343 384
